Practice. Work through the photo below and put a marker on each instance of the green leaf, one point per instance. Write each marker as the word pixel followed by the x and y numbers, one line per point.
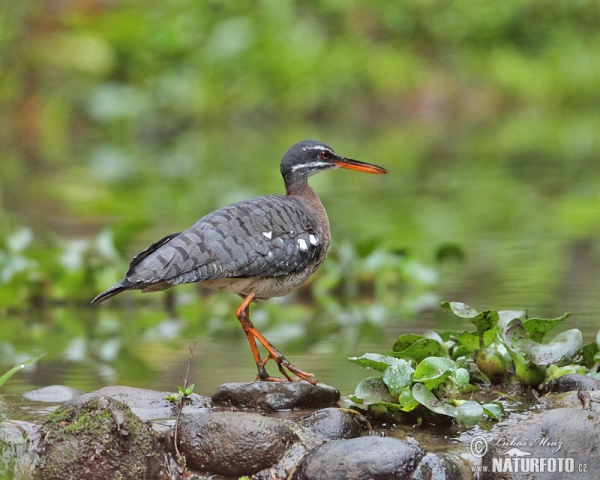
pixel 434 370
pixel 537 328
pixel 460 309
pixel 397 377
pixel 493 410
pixel 421 349
pixel 407 400
pixel 372 390
pixel 588 353
pixel 4 378
pixel 189 390
pixel 485 321
pixel 562 349
pixel 375 360
pixel 406 340
pixel 468 413
pixel 505 316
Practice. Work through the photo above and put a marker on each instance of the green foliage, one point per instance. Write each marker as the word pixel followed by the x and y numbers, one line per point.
pixel 181 395
pixel 4 378
pixel 502 347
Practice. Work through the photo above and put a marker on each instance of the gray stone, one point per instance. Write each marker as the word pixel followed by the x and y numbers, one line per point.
pixel 233 443
pixel 572 382
pixel 95 436
pixel 374 458
pixel 441 467
pixel 333 423
pixel 276 395
pixel 560 434
pixel 53 394
pixel 150 404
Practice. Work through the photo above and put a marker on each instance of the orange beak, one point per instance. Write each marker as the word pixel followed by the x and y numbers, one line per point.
pixel 360 166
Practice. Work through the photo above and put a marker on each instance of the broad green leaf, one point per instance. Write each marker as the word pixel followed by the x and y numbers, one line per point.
pixel 448 335
pixel 537 328
pixel 460 309
pixel 493 410
pixel 468 413
pixel 470 340
pixel 406 340
pixel 372 390
pixel 485 321
pixel 407 400
pixel 397 377
pixel 588 352
pixel 562 349
pixel 4 378
pixel 421 349
pixel 505 316
pixel 375 360
pixel 434 370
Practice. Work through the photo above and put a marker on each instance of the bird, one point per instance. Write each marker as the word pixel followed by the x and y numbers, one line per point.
pixel 259 248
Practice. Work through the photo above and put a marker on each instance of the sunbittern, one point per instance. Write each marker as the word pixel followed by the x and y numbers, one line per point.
pixel 259 248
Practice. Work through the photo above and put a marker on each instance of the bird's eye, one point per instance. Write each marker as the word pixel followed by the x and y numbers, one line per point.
pixel 324 154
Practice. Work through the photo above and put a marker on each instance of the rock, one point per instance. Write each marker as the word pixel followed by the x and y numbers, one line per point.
pixel 333 423
pixel 276 395
pixel 588 400
pixel 18 448
pixel 564 436
pixel 53 394
pixel 441 467
pixel 95 436
pixel 233 443
pixel 374 458
pixel 150 404
pixel 572 382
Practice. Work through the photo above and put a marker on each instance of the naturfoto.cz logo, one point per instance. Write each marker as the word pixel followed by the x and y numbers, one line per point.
pixel 516 459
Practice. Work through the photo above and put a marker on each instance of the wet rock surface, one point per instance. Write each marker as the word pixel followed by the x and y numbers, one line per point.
pixel 53 394
pixel 554 435
pixel 572 382
pixel 233 443
pixel 333 423
pixel 276 395
pixel 376 458
pixel 149 404
pixel 95 436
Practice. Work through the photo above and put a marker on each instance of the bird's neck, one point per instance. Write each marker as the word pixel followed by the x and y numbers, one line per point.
pixel 302 192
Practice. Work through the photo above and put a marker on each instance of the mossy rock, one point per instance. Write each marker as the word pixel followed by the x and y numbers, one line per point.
pixel 95 436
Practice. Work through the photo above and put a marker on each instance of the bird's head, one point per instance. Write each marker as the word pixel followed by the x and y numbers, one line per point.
pixel 309 157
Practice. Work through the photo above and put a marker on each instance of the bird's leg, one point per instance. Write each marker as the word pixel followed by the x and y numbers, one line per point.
pixel 252 333
pixel 243 315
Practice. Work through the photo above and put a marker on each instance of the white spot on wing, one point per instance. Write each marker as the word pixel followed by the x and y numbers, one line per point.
pixel 268 235
pixel 314 240
pixel 302 245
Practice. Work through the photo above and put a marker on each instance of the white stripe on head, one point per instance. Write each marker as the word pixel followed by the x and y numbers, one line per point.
pixel 316 147
pixel 312 165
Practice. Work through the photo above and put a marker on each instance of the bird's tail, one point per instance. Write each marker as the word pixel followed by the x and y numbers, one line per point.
pixel 114 290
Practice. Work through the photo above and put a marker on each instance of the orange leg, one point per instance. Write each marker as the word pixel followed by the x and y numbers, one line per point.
pixel 243 315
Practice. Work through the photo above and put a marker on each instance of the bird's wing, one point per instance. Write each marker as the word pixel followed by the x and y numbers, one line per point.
pixel 263 237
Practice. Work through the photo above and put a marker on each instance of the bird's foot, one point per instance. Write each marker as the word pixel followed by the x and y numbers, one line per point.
pixel 282 364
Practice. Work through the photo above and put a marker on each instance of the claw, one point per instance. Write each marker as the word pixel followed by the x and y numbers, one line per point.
pixel 243 315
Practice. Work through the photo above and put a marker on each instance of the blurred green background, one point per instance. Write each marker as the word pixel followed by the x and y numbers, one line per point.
pixel 124 121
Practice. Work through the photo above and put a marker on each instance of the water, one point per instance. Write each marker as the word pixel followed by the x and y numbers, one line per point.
pixel 524 232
